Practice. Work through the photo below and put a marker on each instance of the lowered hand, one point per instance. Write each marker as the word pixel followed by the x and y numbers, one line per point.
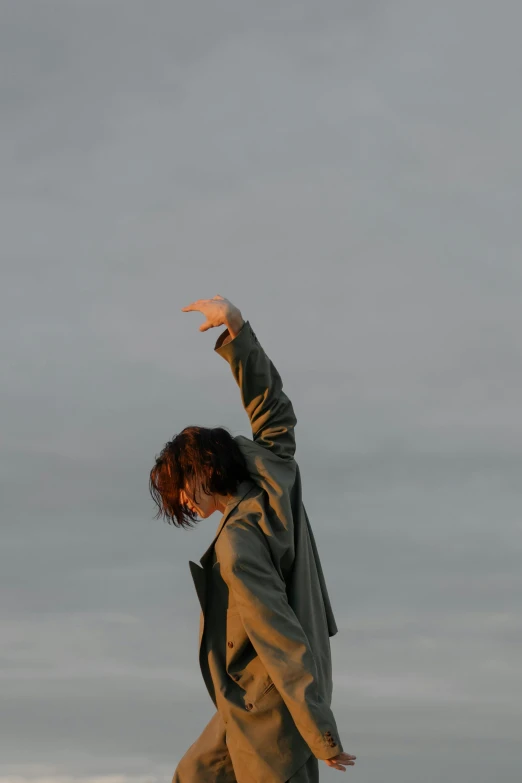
pixel 337 761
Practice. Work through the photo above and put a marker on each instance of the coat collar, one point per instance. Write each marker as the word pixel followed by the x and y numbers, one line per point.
pixel 243 489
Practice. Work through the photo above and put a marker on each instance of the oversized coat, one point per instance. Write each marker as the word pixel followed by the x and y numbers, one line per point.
pixel 266 618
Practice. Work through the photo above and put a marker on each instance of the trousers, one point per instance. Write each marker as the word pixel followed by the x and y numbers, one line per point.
pixel 208 760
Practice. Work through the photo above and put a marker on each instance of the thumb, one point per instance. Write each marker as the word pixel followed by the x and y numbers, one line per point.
pixel 204 327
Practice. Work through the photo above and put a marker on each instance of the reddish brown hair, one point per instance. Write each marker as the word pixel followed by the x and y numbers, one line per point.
pixel 197 456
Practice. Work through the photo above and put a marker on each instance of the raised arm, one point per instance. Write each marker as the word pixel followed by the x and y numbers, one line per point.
pixel 271 414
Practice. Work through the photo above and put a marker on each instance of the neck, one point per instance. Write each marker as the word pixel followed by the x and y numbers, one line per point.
pixel 221 502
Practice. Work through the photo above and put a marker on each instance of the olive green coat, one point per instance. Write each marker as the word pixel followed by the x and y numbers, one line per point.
pixel 266 618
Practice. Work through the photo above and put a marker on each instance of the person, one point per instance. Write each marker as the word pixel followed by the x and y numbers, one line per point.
pixel 266 617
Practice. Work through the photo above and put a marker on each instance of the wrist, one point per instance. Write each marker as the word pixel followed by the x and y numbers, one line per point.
pixel 234 322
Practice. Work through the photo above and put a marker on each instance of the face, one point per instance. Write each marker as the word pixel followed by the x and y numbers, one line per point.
pixel 202 504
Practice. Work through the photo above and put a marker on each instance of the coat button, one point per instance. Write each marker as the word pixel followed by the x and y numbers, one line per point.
pixel 249 706
pixel 231 644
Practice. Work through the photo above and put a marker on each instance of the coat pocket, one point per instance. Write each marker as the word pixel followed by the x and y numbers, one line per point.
pixel 268 688
pixel 266 693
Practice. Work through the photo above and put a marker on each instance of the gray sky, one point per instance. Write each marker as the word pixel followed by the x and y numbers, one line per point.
pixel 348 174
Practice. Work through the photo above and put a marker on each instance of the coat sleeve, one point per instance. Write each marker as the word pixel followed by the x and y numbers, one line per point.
pixel 270 411
pixel 277 635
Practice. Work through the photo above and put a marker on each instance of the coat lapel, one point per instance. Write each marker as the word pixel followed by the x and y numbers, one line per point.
pixel 242 490
pixel 199 572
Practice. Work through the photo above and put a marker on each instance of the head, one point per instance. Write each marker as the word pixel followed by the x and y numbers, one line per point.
pixel 195 474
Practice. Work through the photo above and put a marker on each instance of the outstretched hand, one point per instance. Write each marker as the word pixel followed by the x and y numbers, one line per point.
pixel 217 310
pixel 337 761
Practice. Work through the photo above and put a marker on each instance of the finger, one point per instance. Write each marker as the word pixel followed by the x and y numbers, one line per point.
pixel 194 305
